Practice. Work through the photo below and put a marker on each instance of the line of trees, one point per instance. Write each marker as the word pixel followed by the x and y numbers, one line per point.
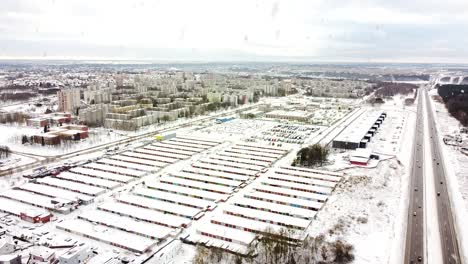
pixel 4 152
pixel 389 89
pixel 311 156
pixel 277 248
pixel 456 101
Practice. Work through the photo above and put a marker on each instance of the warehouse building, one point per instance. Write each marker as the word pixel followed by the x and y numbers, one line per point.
pixel 360 131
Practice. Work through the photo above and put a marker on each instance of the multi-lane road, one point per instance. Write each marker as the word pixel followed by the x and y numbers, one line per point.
pixel 415 229
pixel 415 250
pixel 447 229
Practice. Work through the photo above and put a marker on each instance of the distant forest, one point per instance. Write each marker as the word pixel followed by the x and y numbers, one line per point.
pixel 456 101
pixel 389 89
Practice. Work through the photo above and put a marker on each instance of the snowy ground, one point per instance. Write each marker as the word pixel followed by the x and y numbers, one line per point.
pixel 362 211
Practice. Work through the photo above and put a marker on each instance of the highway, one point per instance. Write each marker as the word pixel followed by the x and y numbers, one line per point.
pixel 415 248
pixel 414 251
pixel 447 229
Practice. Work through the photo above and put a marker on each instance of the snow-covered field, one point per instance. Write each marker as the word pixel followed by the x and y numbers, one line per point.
pixel 363 211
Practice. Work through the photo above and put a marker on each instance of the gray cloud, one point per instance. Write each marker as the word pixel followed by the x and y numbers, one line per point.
pixel 329 30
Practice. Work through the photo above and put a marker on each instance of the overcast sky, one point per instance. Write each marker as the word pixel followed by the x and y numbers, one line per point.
pixel 217 30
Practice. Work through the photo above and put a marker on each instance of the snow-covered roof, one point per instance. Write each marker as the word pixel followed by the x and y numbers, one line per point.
pixel 274 207
pixel 202 165
pixel 207 195
pixel 175 198
pixel 161 154
pixel 226 163
pixel 149 157
pixel 126 224
pixel 220 174
pixel 151 163
pixel 164 149
pixel 284 199
pixel 158 205
pixel 268 160
pixel 108 235
pixel 73 186
pixel 296 186
pixel 356 131
pixel 196 184
pixel 92 181
pixel 55 192
pixel 145 214
pixel 96 173
pixel 129 165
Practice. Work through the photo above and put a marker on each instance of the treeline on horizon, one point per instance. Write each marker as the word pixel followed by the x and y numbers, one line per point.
pixel 389 89
pixel 456 101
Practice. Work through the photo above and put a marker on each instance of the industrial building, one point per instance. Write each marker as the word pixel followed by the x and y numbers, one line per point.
pixel 360 131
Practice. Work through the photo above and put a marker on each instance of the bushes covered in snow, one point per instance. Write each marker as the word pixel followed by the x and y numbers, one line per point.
pixel 277 249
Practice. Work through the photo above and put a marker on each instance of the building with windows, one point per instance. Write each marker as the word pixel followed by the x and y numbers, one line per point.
pixel 68 99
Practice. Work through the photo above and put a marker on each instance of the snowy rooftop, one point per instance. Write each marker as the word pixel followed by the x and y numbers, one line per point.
pixel 128 165
pixel 117 170
pixel 159 205
pixel 356 131
pixel 196 184
pixel 193 141
pixel 139 161
pixel 223 168
pixel 126 224
pixel 164 149
pixel 267 216
pixel 108 235
pixel 55 192
pixel 92 181
pixel 160 154
pixel 145 214
pixel 90 171
pixel 207 195
pixel 174 146
pixel 213 160
pixel 204 178
pixel 14 207
pixel 274 207
pixel 267 160
pixel 254 153
pixel 73 186
pixel 241 160
pixel 149 157
pixel 172 197
pixel 303 180
pixel 29 198
pixel 297 186
pixel 220 174
pixel 286 192
pixel 284 199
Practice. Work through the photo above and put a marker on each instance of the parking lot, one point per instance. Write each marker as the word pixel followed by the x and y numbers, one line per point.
pixel 287 133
